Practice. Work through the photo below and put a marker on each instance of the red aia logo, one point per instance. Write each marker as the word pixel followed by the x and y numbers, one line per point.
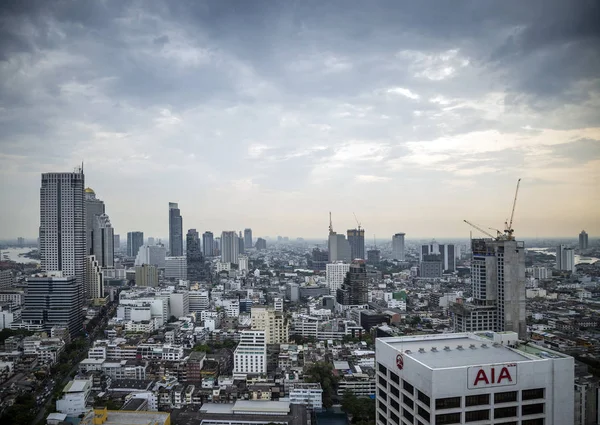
pixel 400 361
pixel 492 375
pixel 483 377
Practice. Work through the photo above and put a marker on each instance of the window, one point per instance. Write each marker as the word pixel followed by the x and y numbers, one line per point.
pixel 395 391
pixel 382 418
pixel 477 400
pixel 532 409
pixel 407 387
pixel 423 413
pixel 505 412
pixel 408 401
pixel 394 418
pixel 532 394
pixel 423 398
pixel 382 369
pixel 539 421
pixel 382 407
pixel 447 403
pixel 395 405
pixel 408 415
pixel 382 381
pixel 382 394
pixel 394 378
pixel 477 415
pixel 505 397
pixel 447 418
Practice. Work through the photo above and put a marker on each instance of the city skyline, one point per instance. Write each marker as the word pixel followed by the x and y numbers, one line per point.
pixel 416 107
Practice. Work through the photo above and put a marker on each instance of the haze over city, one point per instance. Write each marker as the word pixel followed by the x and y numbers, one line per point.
pixel 413 115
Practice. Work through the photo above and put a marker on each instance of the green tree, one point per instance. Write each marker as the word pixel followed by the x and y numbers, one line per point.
pixel 322 373
pixel 361 410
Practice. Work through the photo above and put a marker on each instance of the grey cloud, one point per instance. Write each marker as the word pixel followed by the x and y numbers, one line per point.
pixel 579 151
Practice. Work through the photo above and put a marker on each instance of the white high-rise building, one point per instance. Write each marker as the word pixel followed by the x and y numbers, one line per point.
pixel 62 225
pixel 335 275
pixel 230 247
pixel 152 254
pixel 176 268
pixel 274 323
pixel 103 241
pixel 565 258
pixel 94 279
pixel 398 246
pixel 487 378
pixel 179 303
pixel 250 356
pixel 243 263
pixel 199 301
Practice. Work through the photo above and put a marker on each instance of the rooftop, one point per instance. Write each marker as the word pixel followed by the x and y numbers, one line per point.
pixel 120 417
pixel 77 386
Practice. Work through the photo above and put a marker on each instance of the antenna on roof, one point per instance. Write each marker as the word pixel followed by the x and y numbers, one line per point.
pixel 330 224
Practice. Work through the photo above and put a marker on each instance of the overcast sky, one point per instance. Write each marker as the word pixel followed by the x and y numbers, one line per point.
pixel 414 115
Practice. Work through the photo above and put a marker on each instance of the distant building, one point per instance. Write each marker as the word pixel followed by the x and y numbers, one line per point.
pixel 319 259
pixel 446 251
pixel 103 241
pixel 176 268
pixel 565 258
pixel 208 244
pixel 355 289
pixel 93 207
pixel 356 240
pixel 431 266
pixel 373 256
pixel 335 275
pixel 134 241
pixel 309 394
pixel 261 244
pixel 398 246
pixel 175 230
pixel 250 356
pixel 6 280
pixel 274 323
pixel 229 247
pixel 241 244
pixel 151 254
pixel 248 238
pixel 338 248
pixel 195 261
pixel 243 263
pixel 94 279
pixel 117 242
pixel 583 240
pixel 146 275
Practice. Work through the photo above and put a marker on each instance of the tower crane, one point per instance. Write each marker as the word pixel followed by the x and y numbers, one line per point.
pixel 480 229
pixel 357 222
pixel 508 230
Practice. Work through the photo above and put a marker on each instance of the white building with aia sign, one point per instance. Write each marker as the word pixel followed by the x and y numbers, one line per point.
pixel 484 378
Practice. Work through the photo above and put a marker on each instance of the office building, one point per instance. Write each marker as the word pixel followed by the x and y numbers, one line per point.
pixel 248 238
pixel 6 280
pixel 356 239
pixel 199 300
pixel 175 230
pixel 179 303
pixel 583 240
pixel 103 241
pixel 446 251
pixel 62 226
pixel 318 260
pixel 134 241
pixel 250 356
pixel 176 268
pixel 53 300
pixel 335 274
pixel 398 247
pixel 93 207
pixel 431 266
pixel 195 260
pixel 464 378
pixel 565 258
pixel 117 242
pixel 373 256
pixel 241 247
pixel 338 248
pixel 229 247
pixel 152 254
pixel 261 244
pixel 498 289
pixel 355 289
pixel 273 323
pixel 309 394
pixel 146 275
pixel 94 279
pixel 243 265
pixel 208 244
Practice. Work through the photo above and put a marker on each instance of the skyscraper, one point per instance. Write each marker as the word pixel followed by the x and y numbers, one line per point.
pixel 583 240
pixel 103 241
pixel 117 243
pixel 195 261
pixel 248 238
pixel 261 244
pixel 565 258
pixel 241 248
pixel 335 275
pixel 93 208
pixel 356 239
pixel 134 241
pixel 230 247
pixel 208 244
pixel 446 251
pixel 355 289
pixel 94 279
pixel 62 226
pixel 175 230
pixel 338 248
pixel 498 288
pixel 398 246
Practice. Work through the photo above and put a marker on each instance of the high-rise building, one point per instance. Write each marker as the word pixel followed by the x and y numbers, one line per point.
pixel 151 254
pixel 583 240
pixel 243 263
pixel 230 247
pixel 274 323
pixel 565 258
pixel 248 238
pixel 464 378
pixel 250 356
pixel 208 244
pixel 498 289
pixel 54 300
pixel 431 266
pixel 195 260
pixel 134 241
pixel 20 241
pixel 355 289
pixel 175 230
pixel 94 279
pixel 117 242
pixel 373 256
pixel 217 247
pixel 338 248
pixel 150 241
pixel 146 275
pixel 199 301
pixel 319 259
pixel 103 241
pixel 335 275
pixel 398 247
pixel 261 244
pixel 446 251
pixel 176 268
pixel 6 280
pixel 356 239
pixel 93 208
pixel 62 226
pixel 241 247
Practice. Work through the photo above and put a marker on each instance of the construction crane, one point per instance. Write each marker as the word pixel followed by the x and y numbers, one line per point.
pixel 508 230
pixel 499 233
pixel 480 229
pixel 357 222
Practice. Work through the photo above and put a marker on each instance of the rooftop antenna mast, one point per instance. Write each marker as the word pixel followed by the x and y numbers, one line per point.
pixel 330 224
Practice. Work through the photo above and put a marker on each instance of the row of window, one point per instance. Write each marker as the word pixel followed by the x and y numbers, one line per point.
pixel 483 415
pixel 483 399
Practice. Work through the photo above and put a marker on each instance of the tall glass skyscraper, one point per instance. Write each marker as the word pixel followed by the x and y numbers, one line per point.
pixel 175 230
pixel 134 241
pixel 194 258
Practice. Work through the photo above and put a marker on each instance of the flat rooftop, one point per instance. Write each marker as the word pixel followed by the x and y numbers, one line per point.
pixel 459 350
pixel 76 386
pixel 120 417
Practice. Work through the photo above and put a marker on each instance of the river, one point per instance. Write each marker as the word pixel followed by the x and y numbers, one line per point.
pixel 579 259
pixel 13 255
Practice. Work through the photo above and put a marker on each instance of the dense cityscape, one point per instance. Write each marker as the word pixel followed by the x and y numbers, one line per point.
pixel 220 326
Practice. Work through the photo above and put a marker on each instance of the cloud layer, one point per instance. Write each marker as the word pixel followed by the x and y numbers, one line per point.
pixel 413 115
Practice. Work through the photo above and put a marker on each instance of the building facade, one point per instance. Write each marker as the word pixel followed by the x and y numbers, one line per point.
pixel 250 356
pixel 338 248
pixel 248 238
pixel 175 230
pixel 398 247
pixel 195 260
pixel 356 239
pixel 146 275
pixel 134 242
pixel 93 207
pixel 103 241
pixel 355 289
pixel 583 240
pixel 447 252
pixel 94 279
pixel 230 247
pixel 261 244
pixel 274 323
pixel 565 258
pixel 208 244
pixel 335 275
pixel 176 268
